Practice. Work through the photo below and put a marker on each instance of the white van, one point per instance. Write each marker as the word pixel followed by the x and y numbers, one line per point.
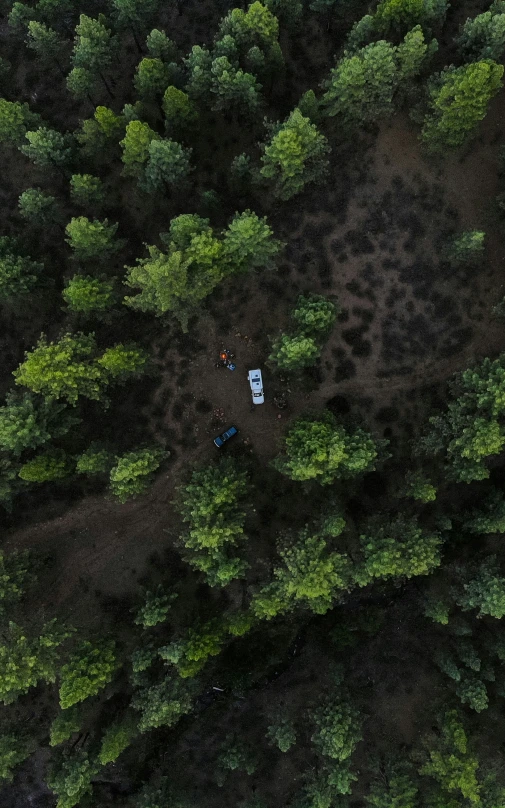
pixel 256 382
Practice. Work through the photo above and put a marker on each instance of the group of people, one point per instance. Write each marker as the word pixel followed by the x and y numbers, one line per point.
pixel 225 360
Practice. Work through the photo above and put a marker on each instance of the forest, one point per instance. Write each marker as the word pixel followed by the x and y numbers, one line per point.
pixel 308 616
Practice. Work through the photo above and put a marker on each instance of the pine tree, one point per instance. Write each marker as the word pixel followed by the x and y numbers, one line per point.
pixel 458 99
pixel 92 239
pixel 295 156
pixel 323 450
pixel 18 273
pixel 94 47
pixel 89 670
pixel 46 43
pixel 38 207
pixel 167 166
pixel 48 148
pixel 85 294
pixel 133 472
pixel 16 119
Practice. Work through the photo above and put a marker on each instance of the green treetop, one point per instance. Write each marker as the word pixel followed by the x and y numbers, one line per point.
pixel 212 506
pixel 46 467
pixel 411 56
pixel 85 294
pixel 163 704
pixel 104 129
pixel 471 690
pixel 483 36
pixel 14 576
pixel 123 361
pixel 394 787
pixel 448 761
pixel 81 83
pixel 470 430
pixel 45 42
pixel 361 87
pixel 151 78
pixel 86 191
pixel 94 46
pixel 94 460
pixel 418 486
pixel 13 750
pixel 311 576
pixel 133 472
pixel 338 728
pixel 155 607
pixel 117 737
pixel 458 99
pixel 165 285
pixel 88 671
pixel 226 47
pixel 63 369
pixel 48 148
pixel 18 273
pixel 282 733
pixel 198 64
pixel 135 13
pixel 437 609
pixel 399 549
pixel 235 755
pixel 16 119
pixel 321 449
pixel 315 314
pixel 233 88
pixel 256 26
pixel 401 16
pixel 91 239
pixel 485 591
pixel 25 662
pixel 190 654
pixel 28 421
pixel 180 112
pixel 467 248
pixel 167 166
pixel 19 17
pixel 37 207
pixel 160 46
pixel 309 106
pixel 252 37
pixel 294 352
pixel 135 146
pixel 490 517
pixel 294 156
pixel 249 243
pixel 70 777
pixel 66 723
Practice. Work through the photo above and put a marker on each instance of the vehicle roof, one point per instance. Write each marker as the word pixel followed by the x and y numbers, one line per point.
pixel 255 379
